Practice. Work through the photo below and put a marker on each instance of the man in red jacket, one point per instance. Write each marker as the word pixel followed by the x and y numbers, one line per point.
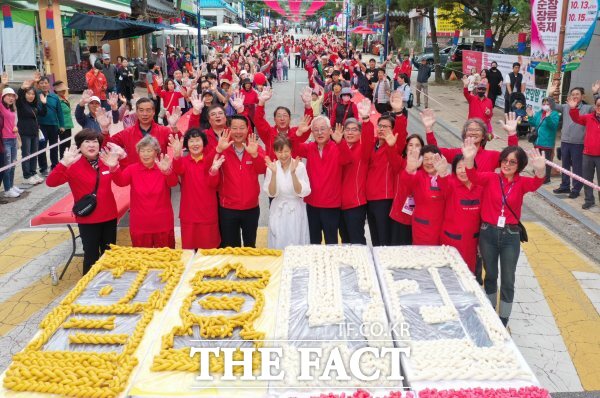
pixel 480 106
pixel 325 159
pixel 239 187
pixel 128 138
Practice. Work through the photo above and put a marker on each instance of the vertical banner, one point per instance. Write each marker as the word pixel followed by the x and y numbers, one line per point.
pixel 49 18
pixel 545 29
pixel 7 16
pixel 472 59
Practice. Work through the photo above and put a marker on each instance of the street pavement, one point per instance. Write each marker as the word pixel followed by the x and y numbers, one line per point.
pixel 556 316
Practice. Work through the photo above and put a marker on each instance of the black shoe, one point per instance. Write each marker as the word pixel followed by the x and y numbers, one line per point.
pixel 504 321
pixel 586 206
pixel 573 195
pixel 561 190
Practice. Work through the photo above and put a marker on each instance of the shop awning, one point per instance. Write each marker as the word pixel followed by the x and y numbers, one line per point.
pixel 161 8
pixel 100 5
pixel 115 28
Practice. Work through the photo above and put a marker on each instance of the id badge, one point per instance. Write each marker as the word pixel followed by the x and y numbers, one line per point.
pixel 501 221
pixel 409 206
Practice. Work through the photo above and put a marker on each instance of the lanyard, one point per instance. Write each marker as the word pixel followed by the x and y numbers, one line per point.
pixel 505 196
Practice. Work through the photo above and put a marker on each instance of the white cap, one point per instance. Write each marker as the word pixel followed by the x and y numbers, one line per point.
pixel 243 71
pixel 7 91
pixel 94 98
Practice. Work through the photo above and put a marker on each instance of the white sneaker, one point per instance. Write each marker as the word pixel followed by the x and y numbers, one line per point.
pixel 38 179
pixel 11 194
pixel 17 189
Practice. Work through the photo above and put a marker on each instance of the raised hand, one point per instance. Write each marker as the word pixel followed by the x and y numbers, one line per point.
pixel 173 118
pixel 364 108
pixel 338 133
pixel 252 146
pixel 271 165
pixel 465 80
pixel 265 95
pixel 113 101
pixel 304 125
pixel 224 141
pixel 238 102
pixel 85 97
pixel 441 165
pixel 510 125
pixel 103 118
pixel 572 102
pixel 122 98
pixel 4 79
pixel 294 164
pixel 469 149
pixel 596 87
pixel 428 119
pixel 306 95
pixel 109 157
pixel 27 84
pixel 391 138
pixel 70 156
pixel 43 98
pixel 197 103
pixel 217 163
pixel 529 111
pixel 413 160
pixel 120 152
pixel 537 161
pixel 159 79
pixel 164 163
pixel 176 144
pixel 37 76
pixel 397 101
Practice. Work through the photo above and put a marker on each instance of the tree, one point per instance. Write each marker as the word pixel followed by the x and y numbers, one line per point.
pixel 501 16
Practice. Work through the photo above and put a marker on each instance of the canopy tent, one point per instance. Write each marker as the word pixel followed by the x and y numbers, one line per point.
pixel 363 30
pixel 229 28
pixel 115 28
pixel 181 32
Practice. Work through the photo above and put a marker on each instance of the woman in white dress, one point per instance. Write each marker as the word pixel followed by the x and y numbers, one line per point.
pixel 287 183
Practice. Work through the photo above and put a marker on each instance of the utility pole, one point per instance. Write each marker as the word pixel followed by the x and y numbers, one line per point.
pixel 199 33
pixel 561 48
pixel 347 17
pixel 387 29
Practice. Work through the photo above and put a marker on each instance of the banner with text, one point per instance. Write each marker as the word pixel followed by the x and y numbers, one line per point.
pixel 545 29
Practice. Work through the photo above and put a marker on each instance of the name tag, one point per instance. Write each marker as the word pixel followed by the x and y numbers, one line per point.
pixel 501 222
pixel 409 206
pixel 105 172
pixel 248 162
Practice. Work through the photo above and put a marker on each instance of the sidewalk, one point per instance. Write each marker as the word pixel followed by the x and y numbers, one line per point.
pixel 451 110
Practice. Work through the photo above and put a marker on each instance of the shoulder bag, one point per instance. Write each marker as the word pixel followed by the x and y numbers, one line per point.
pixel 522 231
pixel 87 204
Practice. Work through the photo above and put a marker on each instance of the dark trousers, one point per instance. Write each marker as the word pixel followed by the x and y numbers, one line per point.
pixel 156 108
pixel 572 159
pixel 352 225
pixel 500 244
pixel 232 222
pixel 549 155
pixel 401 234
pixel 297 61
pixel 29 145
pixel 51 137
pixel 380 223
pixel 591 165
pixel 65 145
pixel 492 96
pixel 382 108
pixel 95 239
pixel 303 63
pixel 323 221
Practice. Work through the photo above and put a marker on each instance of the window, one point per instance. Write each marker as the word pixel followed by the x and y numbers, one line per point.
pixel 476 32
pixel 542 78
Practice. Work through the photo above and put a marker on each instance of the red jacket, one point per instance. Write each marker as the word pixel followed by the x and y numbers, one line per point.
pixel 354 174
pixel 491 203
pixel 347 114
pixel 325 172
pixel 591 141
pixel 150 209
pixel 462 217
pixel 97 83
pixel 198 191
pixel 381 177
pixel 268 133
pixel 128 139
pixel 170 99
pixel 429 207
pixel 478 107
pixel 239 188
pixel 397 212
pixel 486 160
pixel 81 177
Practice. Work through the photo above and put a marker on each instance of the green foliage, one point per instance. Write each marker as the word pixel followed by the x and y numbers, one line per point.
pixel 400 34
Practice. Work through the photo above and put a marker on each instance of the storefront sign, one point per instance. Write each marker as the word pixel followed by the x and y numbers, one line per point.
pixel 545 29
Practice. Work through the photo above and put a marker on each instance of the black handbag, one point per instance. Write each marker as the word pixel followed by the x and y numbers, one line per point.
pixel 87 204
pixel 522 231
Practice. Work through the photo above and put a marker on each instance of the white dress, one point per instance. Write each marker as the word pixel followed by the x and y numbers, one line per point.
pixel 288 223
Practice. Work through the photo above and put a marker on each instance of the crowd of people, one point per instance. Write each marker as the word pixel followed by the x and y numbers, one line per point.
pixel 350 161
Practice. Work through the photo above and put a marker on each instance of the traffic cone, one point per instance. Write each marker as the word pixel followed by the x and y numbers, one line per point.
pixel 452 76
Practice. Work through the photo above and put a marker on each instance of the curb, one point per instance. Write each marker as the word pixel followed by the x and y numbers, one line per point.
pixel 549 196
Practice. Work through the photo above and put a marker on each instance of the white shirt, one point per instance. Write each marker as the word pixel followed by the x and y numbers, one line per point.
pixel 405 91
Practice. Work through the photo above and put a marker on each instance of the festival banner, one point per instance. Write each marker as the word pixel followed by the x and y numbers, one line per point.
pixel 545 29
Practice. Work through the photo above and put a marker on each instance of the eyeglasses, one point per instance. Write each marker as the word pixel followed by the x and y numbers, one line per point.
pixel 352 129
pixel 474 130
pixel 510 162
pixel 217 113
pixel 320 131
pixel 384 126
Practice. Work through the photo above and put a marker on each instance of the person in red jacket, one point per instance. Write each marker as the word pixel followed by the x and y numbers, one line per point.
pixel 501 204
pixel 199 182
pixel 325 158
pixel 282 116
pixel 151 213
pixel 480 106
pixel 170 98
pixel 96 81
pixel 239 187
pixel 354 176
pixel 403 204
pixel 344 110
pixel 591 146
pixel 429 199
pixel 128 138
pixel 462 217
pixel 81 169
pixel 380 177
pixel 250 97
pixel 487 160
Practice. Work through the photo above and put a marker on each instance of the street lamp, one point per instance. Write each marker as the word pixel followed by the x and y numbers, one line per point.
pixel 199 33
pixel 387 29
